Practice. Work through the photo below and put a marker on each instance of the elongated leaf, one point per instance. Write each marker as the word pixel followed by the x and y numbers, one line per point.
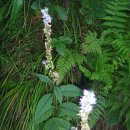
pixel 58 94
pixel 68 109
pixel 17 5
pixel 44 78
pixel 44 105
pixel 61 12
pixel 57 124
pixel 70 90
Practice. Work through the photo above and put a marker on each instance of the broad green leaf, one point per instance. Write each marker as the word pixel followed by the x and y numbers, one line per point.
pixel 17 5
pixel 44 117
pixel 68 109
pixel 44 105
pixel 44 78
pixel 56 124
pixel 61 12
pixel 70 90
pixel 58 94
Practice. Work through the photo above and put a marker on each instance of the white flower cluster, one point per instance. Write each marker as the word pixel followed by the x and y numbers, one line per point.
pixel 46 17
pixel 86 105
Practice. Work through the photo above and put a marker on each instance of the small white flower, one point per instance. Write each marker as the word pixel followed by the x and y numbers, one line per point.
pixel 44 11
pixel 44 62
pixel 46 17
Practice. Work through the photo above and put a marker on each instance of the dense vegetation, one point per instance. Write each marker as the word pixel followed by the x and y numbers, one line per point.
pixel 91 50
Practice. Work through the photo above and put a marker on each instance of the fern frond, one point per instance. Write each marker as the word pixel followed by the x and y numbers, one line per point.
pixel 116 15
pixel 120 5
pixel 103 69
pixel 91 44
pixel 118 19
pixel 114 25
pixel 64 65
pixel 67 62
pixel 122 46
pixel 78 58
pixel 98 110
pixel 85 71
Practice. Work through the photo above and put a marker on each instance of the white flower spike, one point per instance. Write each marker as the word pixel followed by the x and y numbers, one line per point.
pixel 47 31
pixel 86 105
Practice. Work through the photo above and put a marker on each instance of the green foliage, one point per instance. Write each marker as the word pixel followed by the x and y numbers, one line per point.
pixel 58 94
pixel 57 124
pixel 44 78
pixel 60 44
pixel 68 110
pixel 70 90
pixel 64 65
pixel 61 12
pixel 17 5
pixel 91 44
pixel 98 111
pixel 116 17
pixel 109 64
pixel 98 54
pixel 67 62
pixel 44 109
pixel 48 107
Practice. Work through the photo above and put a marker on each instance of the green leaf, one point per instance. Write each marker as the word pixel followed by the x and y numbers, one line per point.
pixel 61 49
pixel 35 6
pixel 68 109
pixel 44 78
pixel 58 94
pixel 128 124
pixel 44 117
pixel 60 44
pixel 44 106
pixel 112 117
pixel 17 5
pixel 61 12
pixel 128 115
pixel 65 40
pixel 56 124
pixel 70 90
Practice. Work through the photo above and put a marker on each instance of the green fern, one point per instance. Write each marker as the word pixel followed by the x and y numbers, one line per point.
pixel 64 65
pixel 67 62
pixel 99 62
pixel 116 16
pixel 98 110
pixel 85 71
pixel 91 44
pixel 122 46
